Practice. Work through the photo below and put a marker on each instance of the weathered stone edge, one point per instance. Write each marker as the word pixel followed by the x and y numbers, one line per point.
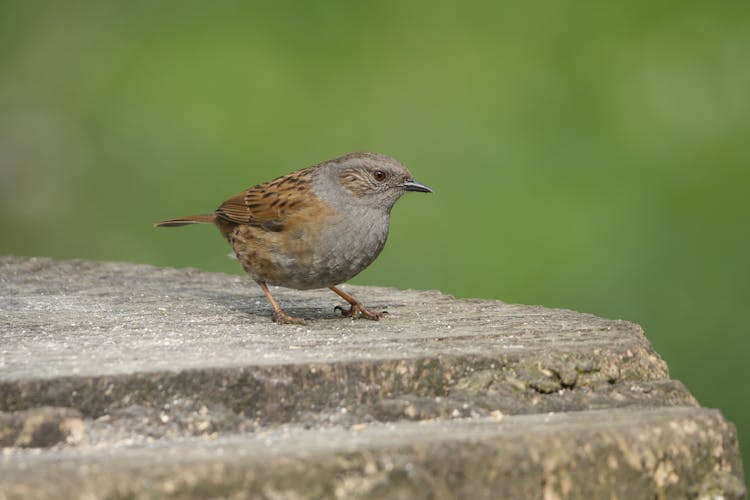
pixel 664 453
pixel 276 391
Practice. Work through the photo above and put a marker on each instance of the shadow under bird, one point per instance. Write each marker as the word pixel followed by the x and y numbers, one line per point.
pixel 314 228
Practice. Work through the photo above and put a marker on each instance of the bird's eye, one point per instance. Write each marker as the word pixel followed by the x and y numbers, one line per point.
pixel 379 175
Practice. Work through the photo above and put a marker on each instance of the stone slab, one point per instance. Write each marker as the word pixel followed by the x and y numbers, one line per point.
pixel 94 318
pixel 101 335
pixel 186 388
pixel 656 453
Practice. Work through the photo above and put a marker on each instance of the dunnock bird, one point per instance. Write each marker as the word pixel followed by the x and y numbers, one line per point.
pixel 314 228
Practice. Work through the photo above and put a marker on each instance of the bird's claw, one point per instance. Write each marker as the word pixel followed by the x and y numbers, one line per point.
pixel 357 311
pixel 283 318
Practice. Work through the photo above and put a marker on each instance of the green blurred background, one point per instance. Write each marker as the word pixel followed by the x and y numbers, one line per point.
pixel 586 155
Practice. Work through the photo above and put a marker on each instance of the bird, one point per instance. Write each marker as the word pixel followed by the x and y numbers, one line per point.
pixel 317 227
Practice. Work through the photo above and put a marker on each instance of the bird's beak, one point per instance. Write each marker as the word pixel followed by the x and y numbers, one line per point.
pixel 413 185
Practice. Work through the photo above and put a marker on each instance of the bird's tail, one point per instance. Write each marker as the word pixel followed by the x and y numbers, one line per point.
pixel 184 221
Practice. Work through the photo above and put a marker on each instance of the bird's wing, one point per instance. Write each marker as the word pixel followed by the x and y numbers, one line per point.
pixel 269 204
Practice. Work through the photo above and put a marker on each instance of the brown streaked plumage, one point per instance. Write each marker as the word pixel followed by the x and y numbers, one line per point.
pixel 314 228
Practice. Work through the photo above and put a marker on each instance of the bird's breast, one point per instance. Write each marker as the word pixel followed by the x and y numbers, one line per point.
pixel 339 250
pixel 318 251
pixel 355 242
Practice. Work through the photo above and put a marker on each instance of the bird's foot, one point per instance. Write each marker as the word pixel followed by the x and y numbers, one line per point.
pixel 283 318
pixel 357 311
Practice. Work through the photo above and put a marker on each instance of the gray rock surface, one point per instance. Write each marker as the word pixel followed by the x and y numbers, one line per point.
pixel 40 427
pixel 187 389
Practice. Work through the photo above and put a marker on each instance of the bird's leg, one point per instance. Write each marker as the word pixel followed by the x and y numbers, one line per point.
pixel 279 316
pixel 356 310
